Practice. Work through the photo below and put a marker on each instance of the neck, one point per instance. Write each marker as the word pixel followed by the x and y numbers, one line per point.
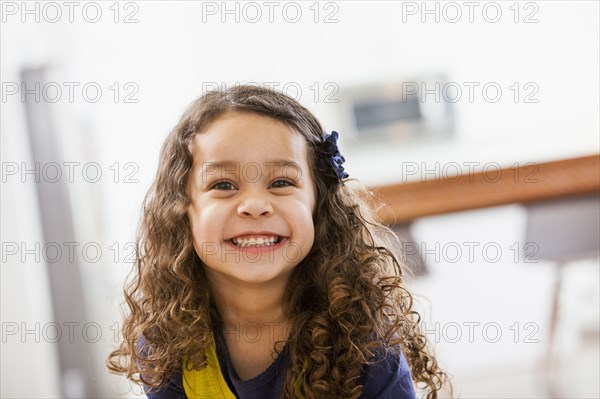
pixel 241 303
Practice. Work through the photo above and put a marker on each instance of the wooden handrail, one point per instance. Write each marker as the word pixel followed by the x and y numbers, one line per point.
pixel 526 183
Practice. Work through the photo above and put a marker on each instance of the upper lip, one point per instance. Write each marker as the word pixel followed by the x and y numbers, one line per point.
pixel 256 233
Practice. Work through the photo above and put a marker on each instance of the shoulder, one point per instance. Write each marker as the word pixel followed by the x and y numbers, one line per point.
pixel 172 388
pixel 388 377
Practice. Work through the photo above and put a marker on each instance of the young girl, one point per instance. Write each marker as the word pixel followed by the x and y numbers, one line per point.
pixel 260 272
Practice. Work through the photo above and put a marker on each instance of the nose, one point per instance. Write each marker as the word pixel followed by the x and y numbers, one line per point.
pixel 255 206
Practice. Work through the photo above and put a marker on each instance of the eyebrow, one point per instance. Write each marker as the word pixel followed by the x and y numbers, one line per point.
pixel 233 165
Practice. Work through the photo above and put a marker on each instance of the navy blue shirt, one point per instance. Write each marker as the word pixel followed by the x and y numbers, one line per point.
pixel 389 377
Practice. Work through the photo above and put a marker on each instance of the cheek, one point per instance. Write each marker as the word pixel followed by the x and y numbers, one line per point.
pixel 199 226
pixel 308 227
pixel 193 217
pixel 195 231
pixel 308 241
pixel 203 236
pixel 206 224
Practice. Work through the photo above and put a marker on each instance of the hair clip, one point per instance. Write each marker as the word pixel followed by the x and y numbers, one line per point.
pixel 333 154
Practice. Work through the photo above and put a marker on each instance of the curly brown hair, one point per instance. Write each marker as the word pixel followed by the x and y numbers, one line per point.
pixel 346 298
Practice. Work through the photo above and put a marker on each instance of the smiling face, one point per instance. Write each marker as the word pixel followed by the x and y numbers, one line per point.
pixel 252 198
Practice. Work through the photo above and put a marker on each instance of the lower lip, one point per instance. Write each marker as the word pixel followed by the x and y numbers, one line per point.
pixel 257 249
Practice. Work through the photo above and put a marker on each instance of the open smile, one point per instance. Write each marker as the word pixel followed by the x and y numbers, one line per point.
pixel 256 241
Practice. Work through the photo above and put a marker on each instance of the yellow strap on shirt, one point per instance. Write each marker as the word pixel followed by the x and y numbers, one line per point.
pixel 207 382
pixel 298 381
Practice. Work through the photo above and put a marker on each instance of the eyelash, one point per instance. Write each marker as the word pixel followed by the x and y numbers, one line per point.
pixel 214 186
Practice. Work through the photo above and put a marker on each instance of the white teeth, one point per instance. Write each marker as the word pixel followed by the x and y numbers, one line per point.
pixel 264 241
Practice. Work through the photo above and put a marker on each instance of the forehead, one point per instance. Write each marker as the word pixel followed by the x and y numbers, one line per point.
pixel 248 137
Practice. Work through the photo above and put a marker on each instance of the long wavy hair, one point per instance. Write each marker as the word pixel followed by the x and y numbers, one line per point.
pixel 346 298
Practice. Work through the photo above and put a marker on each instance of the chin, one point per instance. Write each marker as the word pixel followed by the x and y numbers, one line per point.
pixel 260 273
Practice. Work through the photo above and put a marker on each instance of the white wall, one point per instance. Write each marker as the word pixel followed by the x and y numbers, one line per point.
pixel 171 52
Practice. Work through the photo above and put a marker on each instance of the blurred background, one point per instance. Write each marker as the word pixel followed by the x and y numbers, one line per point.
pixel 479 119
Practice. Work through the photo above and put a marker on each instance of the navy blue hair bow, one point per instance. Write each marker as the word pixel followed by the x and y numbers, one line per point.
pixel 333 154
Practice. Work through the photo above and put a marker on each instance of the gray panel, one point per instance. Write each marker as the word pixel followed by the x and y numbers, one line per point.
pixel 57 227
pixel 411 254
pixel 564 229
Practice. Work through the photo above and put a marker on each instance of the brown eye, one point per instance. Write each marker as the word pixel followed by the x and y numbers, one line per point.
pixel 222 185
pixel 281 183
